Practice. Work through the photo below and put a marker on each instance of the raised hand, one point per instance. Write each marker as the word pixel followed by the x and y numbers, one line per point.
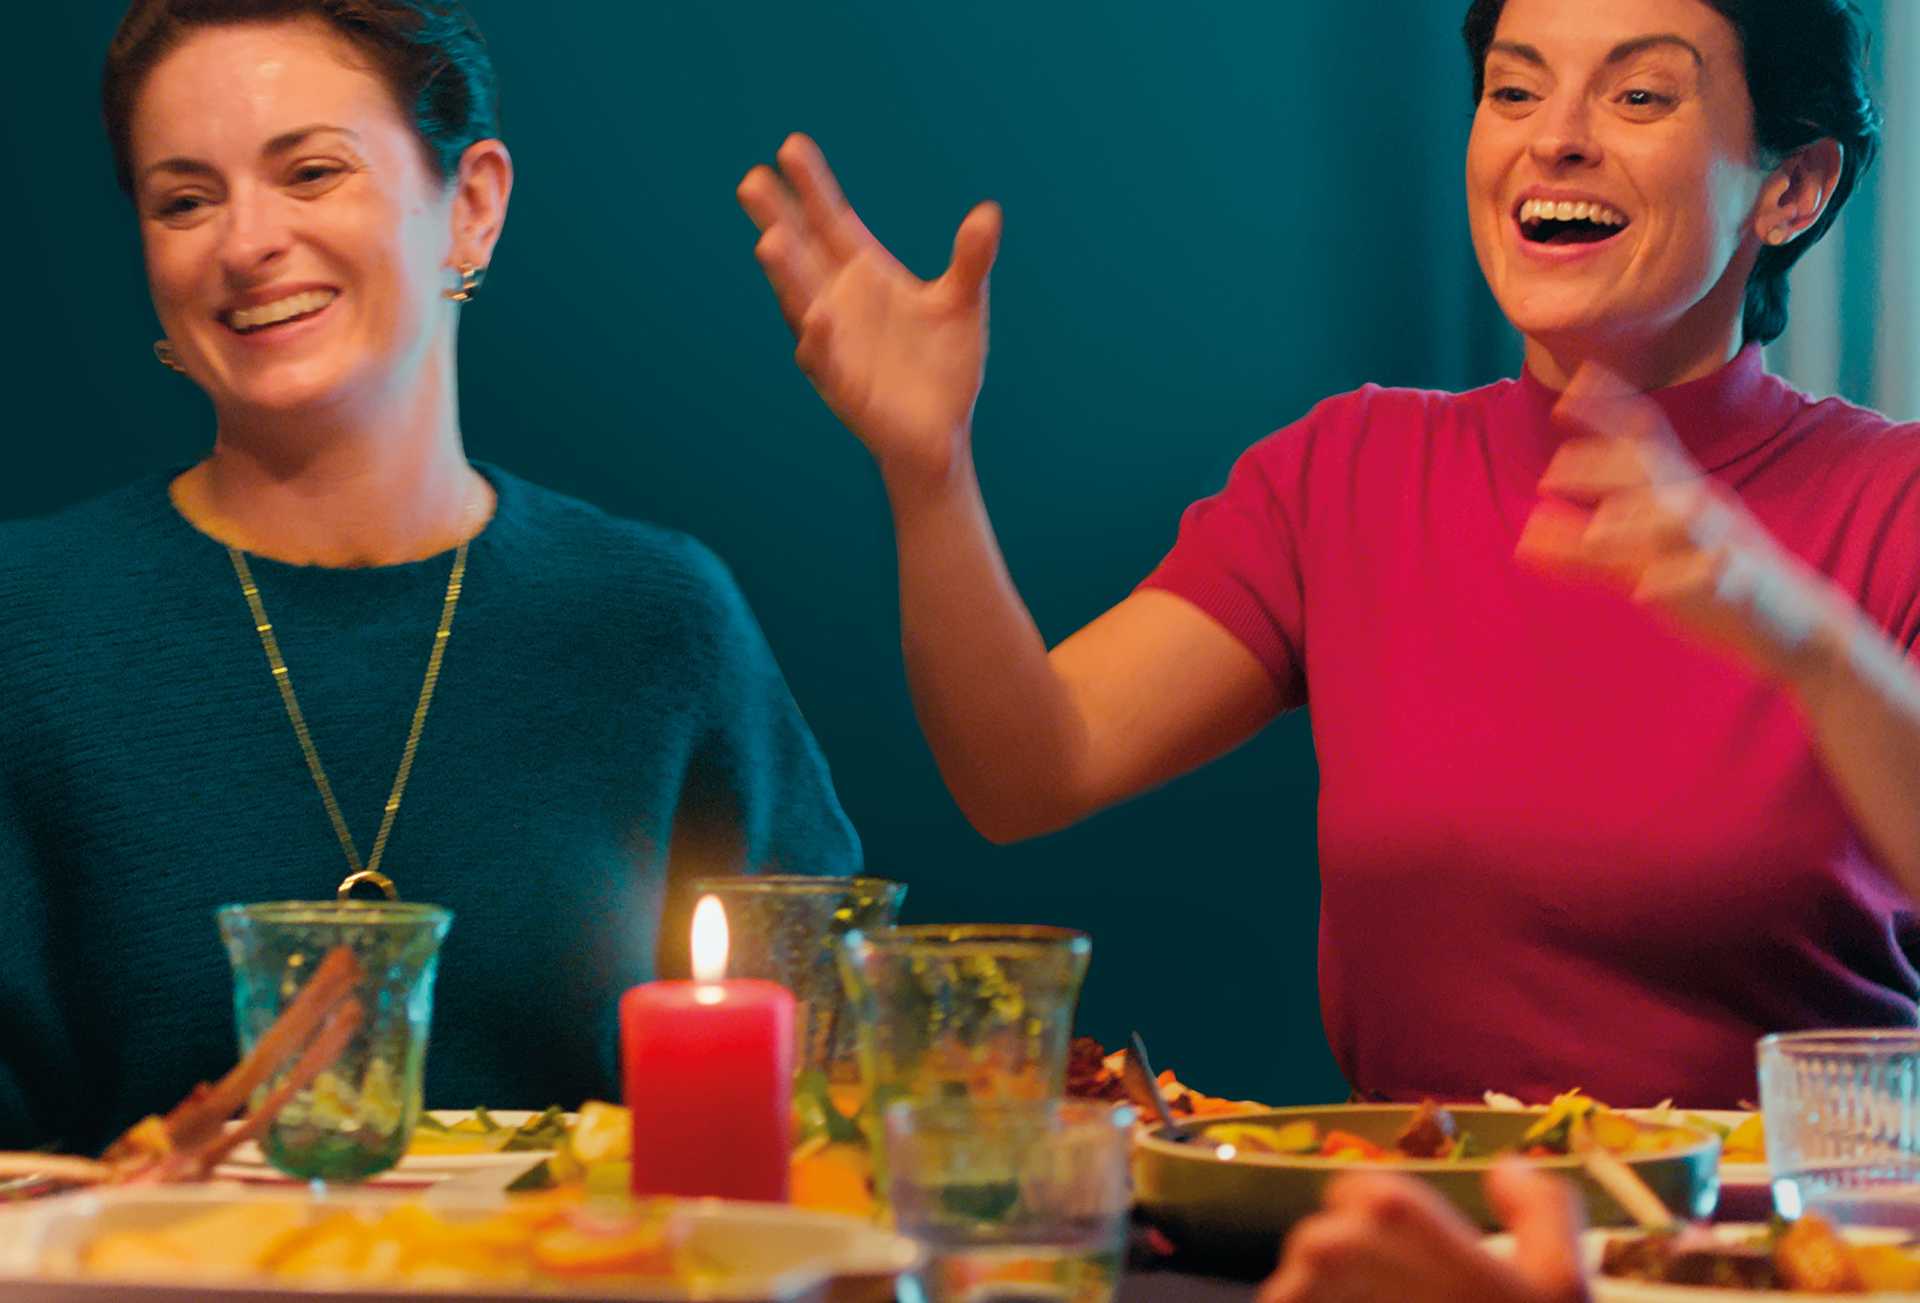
pixel 898 359
pixel 1622 502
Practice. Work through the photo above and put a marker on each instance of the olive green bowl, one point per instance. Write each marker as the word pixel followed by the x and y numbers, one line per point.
pixel 1229 1213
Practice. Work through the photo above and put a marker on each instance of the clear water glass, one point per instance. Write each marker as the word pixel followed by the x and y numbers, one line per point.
pixel 975 1010
pixel 355 1119
pixel 960 1011
pixel 1015 1201
pixel 787 928
pixel 1842 1117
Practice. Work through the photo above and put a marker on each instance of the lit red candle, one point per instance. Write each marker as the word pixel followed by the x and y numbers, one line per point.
pixel 708 1072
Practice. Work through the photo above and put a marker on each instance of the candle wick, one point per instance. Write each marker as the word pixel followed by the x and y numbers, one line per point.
pixel 708 993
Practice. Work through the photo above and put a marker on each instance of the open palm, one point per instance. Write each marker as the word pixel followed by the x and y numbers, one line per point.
pixel 898 359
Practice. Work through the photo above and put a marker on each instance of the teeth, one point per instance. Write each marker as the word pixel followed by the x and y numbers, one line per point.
pixel 267 314
pixel 1548 210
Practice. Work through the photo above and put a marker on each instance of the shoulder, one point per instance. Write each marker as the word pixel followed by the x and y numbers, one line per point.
pixel 579 552
pixel 1364 423
pixel 1855 432
pixel 1848 456
pixel 71 549
pixel 1398 407
pixel 86 527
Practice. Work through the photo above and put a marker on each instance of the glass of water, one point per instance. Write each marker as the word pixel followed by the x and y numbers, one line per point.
pixel 787 928
pixel 1842 1117
pixel 1015 1201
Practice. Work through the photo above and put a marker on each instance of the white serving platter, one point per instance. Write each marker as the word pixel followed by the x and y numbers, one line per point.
pixel 767 1253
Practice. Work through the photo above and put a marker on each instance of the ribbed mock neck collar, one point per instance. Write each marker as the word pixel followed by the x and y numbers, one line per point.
pixel 1719 418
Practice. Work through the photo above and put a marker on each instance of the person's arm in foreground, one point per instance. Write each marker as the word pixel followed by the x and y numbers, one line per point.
pixel 1625 504
pixel 1028 741
pixel 1384 1236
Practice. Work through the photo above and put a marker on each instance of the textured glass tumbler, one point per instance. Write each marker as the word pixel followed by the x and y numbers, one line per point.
pixel 981 1011
pixel 787 928
pixel 1012 1199
pixel 1842 1117
pixel 356 1118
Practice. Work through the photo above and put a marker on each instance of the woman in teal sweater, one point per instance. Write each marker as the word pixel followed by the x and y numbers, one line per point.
pixel 601 716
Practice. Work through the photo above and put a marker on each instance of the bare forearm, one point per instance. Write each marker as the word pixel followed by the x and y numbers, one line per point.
pixel 1002 723
pixel 1861 698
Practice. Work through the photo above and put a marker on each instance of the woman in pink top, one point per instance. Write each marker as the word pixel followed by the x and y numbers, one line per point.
pixel 1618 736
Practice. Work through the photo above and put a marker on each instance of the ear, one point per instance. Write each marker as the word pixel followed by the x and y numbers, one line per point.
pixel 481 189
pixel 1798 192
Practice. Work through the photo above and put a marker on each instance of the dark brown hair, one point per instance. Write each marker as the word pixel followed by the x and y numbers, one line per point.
pixel 429 52
pixel 1806 75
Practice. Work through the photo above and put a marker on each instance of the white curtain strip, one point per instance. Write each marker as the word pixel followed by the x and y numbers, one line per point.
pixel 1854 327
pixel 1896 308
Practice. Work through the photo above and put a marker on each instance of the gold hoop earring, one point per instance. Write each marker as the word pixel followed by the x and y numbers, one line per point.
pixel 164 354
pixel 470 279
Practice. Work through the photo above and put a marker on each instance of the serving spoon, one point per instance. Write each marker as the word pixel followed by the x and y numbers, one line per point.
pixel 1143 1088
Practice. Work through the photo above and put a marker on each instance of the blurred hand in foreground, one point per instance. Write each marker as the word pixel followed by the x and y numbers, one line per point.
pixel 1385 1236
pixel 898 359
pixel 1622 502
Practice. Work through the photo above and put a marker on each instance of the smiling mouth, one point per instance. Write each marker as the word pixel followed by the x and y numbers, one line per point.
pixel 281 312
pixel 1544 221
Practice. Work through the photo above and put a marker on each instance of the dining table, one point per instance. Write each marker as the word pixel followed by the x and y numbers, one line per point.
pixel 1150 1278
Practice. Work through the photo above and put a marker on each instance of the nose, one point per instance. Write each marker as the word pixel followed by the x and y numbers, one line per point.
pixel 256 236
pixel 1563 137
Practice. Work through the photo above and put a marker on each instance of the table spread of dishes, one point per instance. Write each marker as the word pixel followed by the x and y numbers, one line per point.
pixel 839 1107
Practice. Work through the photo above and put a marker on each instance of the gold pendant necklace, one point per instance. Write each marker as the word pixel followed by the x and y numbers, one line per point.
pixel 371 871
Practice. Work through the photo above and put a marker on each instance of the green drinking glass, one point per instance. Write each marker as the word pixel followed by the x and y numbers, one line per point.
pixel 355 1119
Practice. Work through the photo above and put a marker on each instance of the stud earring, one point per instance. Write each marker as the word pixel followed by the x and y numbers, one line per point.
pixel 1779 235
pixel 470 279
pixel 164 354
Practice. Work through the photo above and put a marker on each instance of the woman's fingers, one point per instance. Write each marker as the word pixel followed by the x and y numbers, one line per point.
pixel 1546 1220
pixel 975 245
pixel 1625 531
pixel 827 211
pixel 1588 469
pixel 788 249
pixel 767 200
pixel 781 260
pixel 1388 1237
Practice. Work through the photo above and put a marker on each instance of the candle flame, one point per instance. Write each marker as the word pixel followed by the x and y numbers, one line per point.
pixel 709 940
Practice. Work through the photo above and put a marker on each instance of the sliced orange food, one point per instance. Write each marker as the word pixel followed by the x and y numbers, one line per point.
pixel 834 1178
pixel 634 1249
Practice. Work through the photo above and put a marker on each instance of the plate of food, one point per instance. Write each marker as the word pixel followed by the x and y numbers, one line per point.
pixel 1226 1200
pixel 1808 1259
pixel 447 1142
pixel 1743 1141
pixel 275 1246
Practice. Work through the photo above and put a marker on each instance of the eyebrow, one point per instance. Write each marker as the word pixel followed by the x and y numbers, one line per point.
pixel 280 144
pixel 1618 54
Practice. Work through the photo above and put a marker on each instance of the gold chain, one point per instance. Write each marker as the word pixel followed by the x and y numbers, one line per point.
pixel 285 683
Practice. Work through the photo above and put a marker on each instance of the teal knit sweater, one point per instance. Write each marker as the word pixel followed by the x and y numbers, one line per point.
pixel 605 691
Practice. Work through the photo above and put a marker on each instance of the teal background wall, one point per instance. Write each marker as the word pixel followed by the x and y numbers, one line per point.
pixel 1212 221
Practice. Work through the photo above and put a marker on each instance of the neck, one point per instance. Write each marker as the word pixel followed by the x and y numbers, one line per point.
pixel 1645 364
pixel 1702 340
pixel 382 484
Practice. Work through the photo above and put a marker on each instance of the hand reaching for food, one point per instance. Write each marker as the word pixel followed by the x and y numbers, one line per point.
pixel 1384 1236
